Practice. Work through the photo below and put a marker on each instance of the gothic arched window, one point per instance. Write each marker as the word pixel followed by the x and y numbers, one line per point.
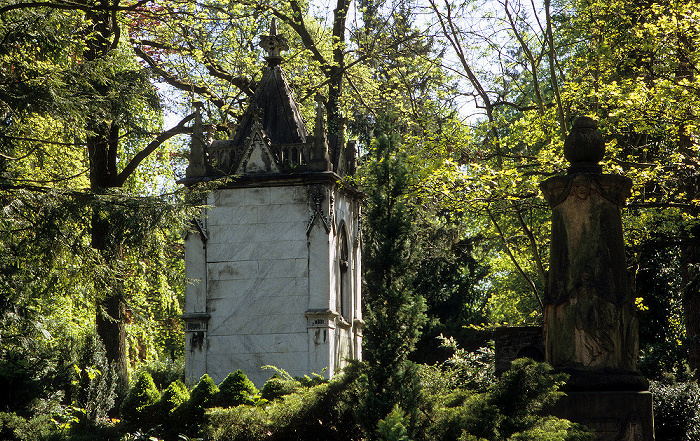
pixel 345 295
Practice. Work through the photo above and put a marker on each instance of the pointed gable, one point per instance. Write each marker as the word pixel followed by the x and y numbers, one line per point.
pixel 258 158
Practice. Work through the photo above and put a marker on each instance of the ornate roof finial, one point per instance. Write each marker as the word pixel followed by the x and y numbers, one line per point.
pixel 274 44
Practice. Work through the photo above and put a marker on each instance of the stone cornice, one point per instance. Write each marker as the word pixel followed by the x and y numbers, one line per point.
pixel 613 188
pixel 283 179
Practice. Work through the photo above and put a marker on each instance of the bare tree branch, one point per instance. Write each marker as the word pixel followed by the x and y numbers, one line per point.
pixel 143 154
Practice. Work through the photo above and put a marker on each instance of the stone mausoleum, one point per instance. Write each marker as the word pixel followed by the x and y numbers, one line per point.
pixel 274 263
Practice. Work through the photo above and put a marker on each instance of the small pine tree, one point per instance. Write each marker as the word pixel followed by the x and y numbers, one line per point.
pixel 393 427
pixel 173 396
pixel 166 410
pixel 204 393
pixel 95 386
pixel 139 402
pixel 395 313
pixel 190 415
pixel 236 389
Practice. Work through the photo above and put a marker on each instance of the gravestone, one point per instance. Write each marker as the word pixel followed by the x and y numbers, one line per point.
pixel 274 260
pixel 590 323
pixel 513 342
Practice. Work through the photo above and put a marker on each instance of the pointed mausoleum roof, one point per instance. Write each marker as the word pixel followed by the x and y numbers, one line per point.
pixel 271 136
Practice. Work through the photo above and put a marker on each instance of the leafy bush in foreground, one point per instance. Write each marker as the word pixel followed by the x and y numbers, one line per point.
pixel 676 411
pixel 236 389
pixel 510 409
pixel 137 405
pixel 188 418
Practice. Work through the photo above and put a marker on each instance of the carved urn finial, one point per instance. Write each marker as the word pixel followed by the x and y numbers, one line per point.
pixel 584 147
pixel 274 44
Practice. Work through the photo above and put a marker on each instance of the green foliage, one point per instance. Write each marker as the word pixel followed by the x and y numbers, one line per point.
pixel 38 428
pixel 676 411
pixel 236 389
pixel 395 314
pixel 19 381
pixel 163 414
pixel 393 427
pixel 463 370
pixel 165 372
pixel 137 407
pixel 523 391
pixel 242 423
pixel 554 429
pixel 173 396
pixel 277 387
pixel 316 413
pixel 511 408
pixel 204 393
pixel 462 414
pixel 188 418
pixel 95 383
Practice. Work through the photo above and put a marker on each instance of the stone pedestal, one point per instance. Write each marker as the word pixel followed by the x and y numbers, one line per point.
pixel 590 322
pixel 612 415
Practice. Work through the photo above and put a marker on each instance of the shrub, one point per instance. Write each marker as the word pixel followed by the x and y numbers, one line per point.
pixel 95 381
pixel 277 387
pixel 676 411
pixel 188 417
pixel 510 409
pixel 204 393
pixel 236 389
pixel 522 392
pixel 242 423
pixel 14 427
pixel 464 413
pixel 393 427
pixel 138 404
pixel 174 396
pixel 165 372
pixel 319 413
pixel 164 419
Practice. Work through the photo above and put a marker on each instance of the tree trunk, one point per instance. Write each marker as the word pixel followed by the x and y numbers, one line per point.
pixel 691 304
pixel 110 309
pixel 111 329
pixel 690 252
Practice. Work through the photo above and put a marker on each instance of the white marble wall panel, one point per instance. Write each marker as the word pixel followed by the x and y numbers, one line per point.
pixel 236 270
pixel 249 290
pixel 195 366
pixel 195 271
pixel 344 347
pixel 293 214
pixel 286 314
pixel 225 215
pixel 263 273
pixel 321 354
pixel 257 196
pixel 257 344
pixel 249 250
pixel 228 198
pixel 252 365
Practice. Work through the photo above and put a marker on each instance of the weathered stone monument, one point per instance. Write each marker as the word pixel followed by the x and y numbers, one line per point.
pixel 275 261
pixel 590 323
